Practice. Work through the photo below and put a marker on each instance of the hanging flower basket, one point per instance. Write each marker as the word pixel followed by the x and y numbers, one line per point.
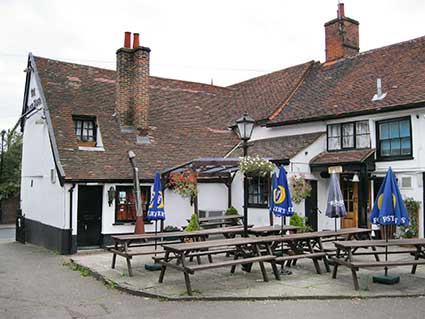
pixel 300 188
pixel 255 166
pixel 184 183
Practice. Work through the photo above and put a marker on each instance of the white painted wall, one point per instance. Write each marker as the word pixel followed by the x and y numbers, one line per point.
pixel 42 198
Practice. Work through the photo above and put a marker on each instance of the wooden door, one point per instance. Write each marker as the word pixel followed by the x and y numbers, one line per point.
pixel 89 216
pixel 351 199
pixel 311 206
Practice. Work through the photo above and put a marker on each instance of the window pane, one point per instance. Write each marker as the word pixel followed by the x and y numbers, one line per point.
pixel 334 143
pixel 385 148
pixel 404 128
pixel 348 129
pixel 334 130
pixel 395 146
pixel 362 127
pixel 363 141
pixel 394 129
pixel 405 146
pixel 348 142
pixel 258 190
pixel 384 131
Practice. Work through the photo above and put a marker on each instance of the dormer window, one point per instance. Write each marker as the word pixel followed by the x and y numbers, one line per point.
pixel 85 130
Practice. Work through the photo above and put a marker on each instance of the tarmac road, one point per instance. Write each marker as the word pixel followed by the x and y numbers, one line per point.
pixel 34 283
pixel 7 232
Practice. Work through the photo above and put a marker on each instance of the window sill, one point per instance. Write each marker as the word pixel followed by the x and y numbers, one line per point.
pixel 394 158
pixel 91 148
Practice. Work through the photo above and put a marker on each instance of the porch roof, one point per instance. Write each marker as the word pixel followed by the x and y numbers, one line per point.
pixel 350 159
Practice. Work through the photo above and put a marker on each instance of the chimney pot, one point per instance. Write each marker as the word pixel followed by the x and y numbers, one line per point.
pixel 136 40
pixel 341 12
pixel 127 39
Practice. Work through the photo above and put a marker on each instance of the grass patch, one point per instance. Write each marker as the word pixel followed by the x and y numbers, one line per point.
pixel 84 271
pixel 194 292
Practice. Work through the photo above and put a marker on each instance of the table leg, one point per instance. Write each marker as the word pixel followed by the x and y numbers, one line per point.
pixel 325 258
pixel 130 271
pixel 114 257
pixel 273 263
pixel 316 263
pixel 355 280
pixel 418 251
pixel 186 275
pixel 163 267
pixel 337 256
pixel 187 282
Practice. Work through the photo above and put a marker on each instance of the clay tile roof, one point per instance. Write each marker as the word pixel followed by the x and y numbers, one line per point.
pixel 279 148
pixel 186 120
pixel 264 95
pixel 342 157
pixel 346 87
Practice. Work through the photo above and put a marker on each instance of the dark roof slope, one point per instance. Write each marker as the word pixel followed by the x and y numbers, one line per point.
pixel 278 148
pixel 348 85
pixel 264 95
pixel 186 120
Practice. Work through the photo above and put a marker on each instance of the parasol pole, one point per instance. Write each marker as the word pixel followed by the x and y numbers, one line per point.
pixel 386 248
pixel 281 244
pixel 140 226
pixel 156 222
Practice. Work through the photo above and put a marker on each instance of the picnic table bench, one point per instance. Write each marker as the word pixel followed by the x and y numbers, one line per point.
pixel 246 251
pixel 131 245
pixel 348 249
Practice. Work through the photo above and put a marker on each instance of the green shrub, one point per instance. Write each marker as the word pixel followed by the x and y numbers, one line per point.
pixel 232 211
pixel 301 222
pixel 193 224
pixel 411 230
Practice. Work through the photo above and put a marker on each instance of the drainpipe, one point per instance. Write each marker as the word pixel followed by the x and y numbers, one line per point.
pixel 71 192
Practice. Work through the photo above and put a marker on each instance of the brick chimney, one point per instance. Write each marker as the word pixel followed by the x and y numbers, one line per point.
pixel 342 36
pixel 132 96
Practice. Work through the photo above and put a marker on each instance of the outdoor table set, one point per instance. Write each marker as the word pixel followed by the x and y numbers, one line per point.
pixel 128 246
pixel 414 249
pixel 247 251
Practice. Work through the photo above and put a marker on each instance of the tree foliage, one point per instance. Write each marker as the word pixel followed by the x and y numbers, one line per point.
pixel 11 175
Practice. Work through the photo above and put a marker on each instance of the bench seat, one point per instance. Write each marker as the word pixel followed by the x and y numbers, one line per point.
pixel 366 264
pixel 226 263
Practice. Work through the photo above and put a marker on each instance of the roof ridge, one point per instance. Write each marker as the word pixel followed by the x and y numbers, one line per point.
pixel 293 92
pixel 374 50
pixel 206 85
pixel 267 74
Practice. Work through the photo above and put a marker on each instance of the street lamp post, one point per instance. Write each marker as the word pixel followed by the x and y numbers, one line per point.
pixel 245 126
pixel 3 133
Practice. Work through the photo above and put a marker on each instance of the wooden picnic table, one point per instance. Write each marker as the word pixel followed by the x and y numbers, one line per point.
pixel 125 245
pixel 346 251
pixel 272 230
pixel 310 245
pixel 245 251
pixel 220 221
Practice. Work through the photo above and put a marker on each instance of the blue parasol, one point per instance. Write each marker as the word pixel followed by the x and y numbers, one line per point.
pixel 271 202
pixel 389 209
pixel 335 207
pixel 282 203
pixel 156 205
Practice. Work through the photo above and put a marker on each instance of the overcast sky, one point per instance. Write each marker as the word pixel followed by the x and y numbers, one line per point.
pixel 224 40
